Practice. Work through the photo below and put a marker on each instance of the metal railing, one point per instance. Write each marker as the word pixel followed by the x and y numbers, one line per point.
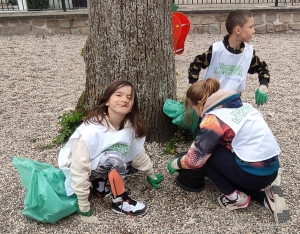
pixel 6 5
pixel 195 2
pixel 41 5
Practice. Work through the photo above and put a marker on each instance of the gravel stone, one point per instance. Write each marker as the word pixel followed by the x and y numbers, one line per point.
pixel 41 77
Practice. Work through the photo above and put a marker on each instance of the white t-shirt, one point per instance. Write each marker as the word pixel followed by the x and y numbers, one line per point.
pixel 253 141
pixel 98 139
pixel 230 69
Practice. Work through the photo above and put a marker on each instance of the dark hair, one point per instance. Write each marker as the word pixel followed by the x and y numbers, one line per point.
pixel 237 18
pixel 100 110
pixel 198 93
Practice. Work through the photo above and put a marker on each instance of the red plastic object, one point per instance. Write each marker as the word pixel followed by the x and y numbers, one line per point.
pixel 176 25
pixel 181 28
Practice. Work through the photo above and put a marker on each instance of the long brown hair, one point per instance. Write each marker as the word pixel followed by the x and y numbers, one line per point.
pixel 100 110
pixel 198 93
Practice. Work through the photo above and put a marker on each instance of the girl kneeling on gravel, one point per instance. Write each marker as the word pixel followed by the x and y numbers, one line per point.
pixel 235 148
pixel 108 145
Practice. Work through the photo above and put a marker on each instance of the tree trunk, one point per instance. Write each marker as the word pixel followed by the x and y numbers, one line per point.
pixel 132 40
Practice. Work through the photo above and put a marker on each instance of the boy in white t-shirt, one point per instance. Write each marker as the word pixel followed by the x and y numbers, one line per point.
pixel 231 59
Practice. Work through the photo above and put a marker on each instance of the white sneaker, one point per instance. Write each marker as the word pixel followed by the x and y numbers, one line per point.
pixel 275 202
pixel 242 201
pixel 126 205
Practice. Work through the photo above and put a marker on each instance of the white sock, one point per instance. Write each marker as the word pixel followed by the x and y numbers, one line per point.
pixel 232 196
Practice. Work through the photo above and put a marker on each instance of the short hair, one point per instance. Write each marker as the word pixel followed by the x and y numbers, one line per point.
pixel 237 18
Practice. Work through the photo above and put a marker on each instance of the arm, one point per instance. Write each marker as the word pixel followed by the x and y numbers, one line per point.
pixel 209 135
pixel 261 68
pixel 80 171
pixel 143 163
pixel 200 61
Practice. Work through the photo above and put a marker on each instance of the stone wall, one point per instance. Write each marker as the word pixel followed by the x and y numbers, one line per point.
pixel 44 23
pixel 271 22
pixel 203 19
pixel 45 27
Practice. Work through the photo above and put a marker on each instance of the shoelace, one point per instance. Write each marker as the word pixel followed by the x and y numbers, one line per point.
pixel 125 199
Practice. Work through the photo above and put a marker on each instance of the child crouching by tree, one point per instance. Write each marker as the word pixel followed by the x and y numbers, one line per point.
pixel 106 146
pixel 235 148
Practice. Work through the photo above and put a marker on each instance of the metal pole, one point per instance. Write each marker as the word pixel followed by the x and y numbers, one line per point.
pixel 63 4
pixel 22 4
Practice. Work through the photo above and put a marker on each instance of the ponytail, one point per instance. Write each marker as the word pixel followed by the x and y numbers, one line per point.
pixel 211 86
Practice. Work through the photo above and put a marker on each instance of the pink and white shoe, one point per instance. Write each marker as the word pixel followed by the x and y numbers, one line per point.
pixel 242 201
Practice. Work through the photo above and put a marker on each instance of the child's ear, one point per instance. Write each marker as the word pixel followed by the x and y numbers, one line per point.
pixel 237 29
pixel 200 105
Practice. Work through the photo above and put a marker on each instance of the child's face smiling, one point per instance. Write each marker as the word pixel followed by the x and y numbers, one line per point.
pixel 121 101
pixel 247 31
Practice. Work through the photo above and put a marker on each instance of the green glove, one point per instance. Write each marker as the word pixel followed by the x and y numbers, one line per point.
pixel 155 181
pixel 88 213
pixel 172 166
pixel 261 95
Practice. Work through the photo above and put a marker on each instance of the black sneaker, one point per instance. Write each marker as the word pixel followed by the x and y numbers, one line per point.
pixel 105 193
pixel 95 189
pixel 126 205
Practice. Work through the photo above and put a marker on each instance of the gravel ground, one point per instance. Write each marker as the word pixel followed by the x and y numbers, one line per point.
pixel 42 76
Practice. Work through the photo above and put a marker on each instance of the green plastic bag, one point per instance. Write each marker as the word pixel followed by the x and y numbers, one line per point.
pixel 176 111
pixel 45 199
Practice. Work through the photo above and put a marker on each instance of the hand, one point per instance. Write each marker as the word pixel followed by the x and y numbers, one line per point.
pixel 84 212
pixel 87 219
pixel 172 166
pixel 155 181
pixel 261 95
pixel 85 215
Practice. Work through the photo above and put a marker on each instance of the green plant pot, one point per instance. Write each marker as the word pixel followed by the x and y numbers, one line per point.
pixel 190 180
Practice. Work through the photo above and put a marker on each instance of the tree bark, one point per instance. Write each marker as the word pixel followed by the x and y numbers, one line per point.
pixel 132 40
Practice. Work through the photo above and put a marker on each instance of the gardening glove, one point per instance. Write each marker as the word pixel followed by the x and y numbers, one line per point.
pixel 85 215
pixel 85 211
pixel 154 180
pixel 261 94
pixel 173 166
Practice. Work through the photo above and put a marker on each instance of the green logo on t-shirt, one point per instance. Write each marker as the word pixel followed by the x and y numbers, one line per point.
pixel 228 70
pixel 240 113
pixel 122 148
